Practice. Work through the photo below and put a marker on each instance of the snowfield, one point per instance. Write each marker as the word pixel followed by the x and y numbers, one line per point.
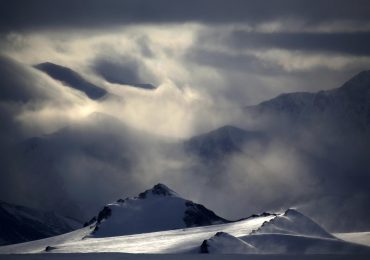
pixel 120 256
pixel 202 232
pixel 163 242
pixel 362 238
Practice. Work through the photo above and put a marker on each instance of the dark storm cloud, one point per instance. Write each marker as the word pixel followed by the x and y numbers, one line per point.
pixel 349 43
pixel 24 15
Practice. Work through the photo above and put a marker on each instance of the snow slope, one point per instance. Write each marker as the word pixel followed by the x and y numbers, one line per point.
pixel 362 238
pixel 224 243
pixel 287 233
pixel 120 256
pixel 293 222
pixel 298 244
pixel 173 241
pixel 230 238
pixel 159 221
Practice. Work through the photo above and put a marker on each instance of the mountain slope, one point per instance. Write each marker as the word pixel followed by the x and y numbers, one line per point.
pixel 347 106
pixel 287 233
pixel 185 240
pixel 20 224
pixel 159 221
pixel 294 223
pixel 329 131
pixel 362 238
pixel 223 141
pixel 230 238
pixel 224 243
pixel 71 79
pixel 156 209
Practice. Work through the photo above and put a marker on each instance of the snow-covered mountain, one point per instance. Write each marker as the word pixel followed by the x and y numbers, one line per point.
pixel 293 222
pixel 19 224
pixel 71 79
pixel 156 209
pixel 160 207
pixel 346 107
pixel 288 233
pixel 224 243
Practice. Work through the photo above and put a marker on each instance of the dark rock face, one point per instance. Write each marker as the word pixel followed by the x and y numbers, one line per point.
pixel 204 248
pixel 197 215
pixel 71 79
pixel 49 248
pixel 158 189
pixel 105 213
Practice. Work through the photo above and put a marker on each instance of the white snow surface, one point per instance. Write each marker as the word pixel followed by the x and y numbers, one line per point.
pixel 224 243
pixel 362 238
pixel 164 242
pixel 243 237
pixel 135 216
pixel 156 209
pixel 294 223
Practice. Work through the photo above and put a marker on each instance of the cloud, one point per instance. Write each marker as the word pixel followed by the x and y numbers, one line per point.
pixel 356 43
pixel 36 103
pixel 18 15
pixel 209 59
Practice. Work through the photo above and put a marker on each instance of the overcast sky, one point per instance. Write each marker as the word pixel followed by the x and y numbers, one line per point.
pixel 238 51
pixel 207 58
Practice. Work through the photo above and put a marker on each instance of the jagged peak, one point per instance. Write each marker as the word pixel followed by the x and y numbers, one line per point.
pixel 292 212
pixel 158 190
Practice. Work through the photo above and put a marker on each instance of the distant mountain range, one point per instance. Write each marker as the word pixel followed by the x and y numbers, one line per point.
pixel 20 224
pixel 345 109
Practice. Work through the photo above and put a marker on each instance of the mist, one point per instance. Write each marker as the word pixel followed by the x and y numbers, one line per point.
pixel 207 73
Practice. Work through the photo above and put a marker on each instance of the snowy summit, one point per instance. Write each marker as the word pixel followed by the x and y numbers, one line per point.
pixel 156 209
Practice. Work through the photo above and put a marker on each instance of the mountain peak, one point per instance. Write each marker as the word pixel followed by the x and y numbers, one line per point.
pixel 158 190
pixel 155 209
pixel 359 82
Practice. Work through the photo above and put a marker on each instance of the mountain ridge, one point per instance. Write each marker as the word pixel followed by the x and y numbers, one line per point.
pixel 22 224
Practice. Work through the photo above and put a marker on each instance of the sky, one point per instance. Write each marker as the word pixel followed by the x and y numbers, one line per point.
pixel 207 60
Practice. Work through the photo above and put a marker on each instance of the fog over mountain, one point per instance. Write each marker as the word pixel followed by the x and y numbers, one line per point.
pixel 259 102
